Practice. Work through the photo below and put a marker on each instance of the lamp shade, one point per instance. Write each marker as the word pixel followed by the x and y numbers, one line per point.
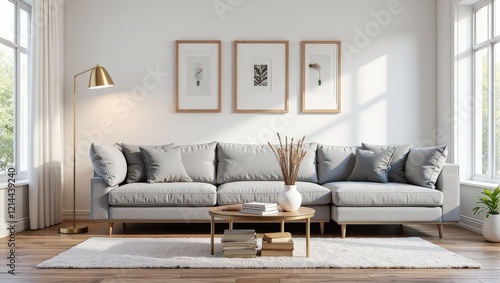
pixel 99 78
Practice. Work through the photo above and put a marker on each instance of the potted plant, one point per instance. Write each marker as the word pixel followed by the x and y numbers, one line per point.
pixel 491 223
pixel 290 157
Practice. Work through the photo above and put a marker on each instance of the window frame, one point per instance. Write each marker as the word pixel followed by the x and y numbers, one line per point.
pixel 18 51
pixel 489 44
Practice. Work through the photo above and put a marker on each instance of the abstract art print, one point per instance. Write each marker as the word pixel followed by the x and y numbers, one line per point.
pixel 198 76
pixel 261 76
pixel 320 81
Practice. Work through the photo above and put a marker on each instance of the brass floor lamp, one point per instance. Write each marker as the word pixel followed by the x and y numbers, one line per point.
pixel 99 78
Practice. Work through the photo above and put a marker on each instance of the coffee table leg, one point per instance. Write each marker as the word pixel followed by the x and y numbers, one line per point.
pixel 230 224
pixel 308 232
pixel 212 232
pixel 282 226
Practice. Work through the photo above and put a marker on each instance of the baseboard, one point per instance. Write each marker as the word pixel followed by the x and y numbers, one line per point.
pixel 471 224
pixel 21 225
pixel 79 215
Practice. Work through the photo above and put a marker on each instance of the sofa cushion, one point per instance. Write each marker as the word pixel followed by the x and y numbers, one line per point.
pixel 378 194
pixel 136 169
pixel 164 194
pixel 397 171
pixel 164 166
pixel 247 162
pixel 267 191
pixel 199 161
pixel 424 164
pixel 372 166
pixel 109 163
pixel 335 163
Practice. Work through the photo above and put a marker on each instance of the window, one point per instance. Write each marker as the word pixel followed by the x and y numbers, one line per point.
pixel 15 36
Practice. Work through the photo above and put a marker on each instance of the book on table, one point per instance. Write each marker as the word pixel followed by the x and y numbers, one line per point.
pixel 258 212
pixel 260 206
pixel 277 237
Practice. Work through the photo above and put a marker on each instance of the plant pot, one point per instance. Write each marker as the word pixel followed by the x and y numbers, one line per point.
pixel 289 198
pixel 491 228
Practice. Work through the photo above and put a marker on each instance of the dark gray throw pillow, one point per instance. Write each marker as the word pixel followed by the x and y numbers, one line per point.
pixel 397 171
pixel 424 164
pixel 164 166
pixel 372 166
pixel 136 169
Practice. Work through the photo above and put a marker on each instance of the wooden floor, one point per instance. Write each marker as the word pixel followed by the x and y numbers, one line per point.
pixel 33 247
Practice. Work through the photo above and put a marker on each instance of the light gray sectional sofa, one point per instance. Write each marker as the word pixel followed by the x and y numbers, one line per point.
pixel 348 184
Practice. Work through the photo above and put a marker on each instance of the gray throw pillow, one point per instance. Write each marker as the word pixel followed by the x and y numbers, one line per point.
pixel 136 169
pixel 335 163
pixel 424 164
pixel 109 163
pixel 164 166
pixel 372 166
pixel 397 171
pixel 200 162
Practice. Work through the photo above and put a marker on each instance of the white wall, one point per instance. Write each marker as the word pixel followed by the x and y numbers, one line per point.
pixel 388 78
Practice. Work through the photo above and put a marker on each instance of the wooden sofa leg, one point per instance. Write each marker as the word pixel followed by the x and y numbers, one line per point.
pixel 322 228
pixel 440 230
pixel 110 228
pixel 343 230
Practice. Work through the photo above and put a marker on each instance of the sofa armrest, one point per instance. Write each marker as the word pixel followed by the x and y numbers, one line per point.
pixel 449 183
pixel 99 204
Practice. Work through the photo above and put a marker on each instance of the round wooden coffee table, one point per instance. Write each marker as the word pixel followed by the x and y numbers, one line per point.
pixel 232 213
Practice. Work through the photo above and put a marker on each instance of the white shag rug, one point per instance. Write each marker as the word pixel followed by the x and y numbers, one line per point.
pixel 195 253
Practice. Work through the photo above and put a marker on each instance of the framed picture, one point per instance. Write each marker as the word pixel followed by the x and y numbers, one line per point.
pixel 198 76
pixel 260 76
pixel 320 77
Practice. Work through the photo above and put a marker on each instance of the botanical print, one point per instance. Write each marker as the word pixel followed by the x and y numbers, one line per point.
pixel 317 67
pixel 198 76
pixel 198 73
pixel 320 77
pixel 319 74
pixel 260 77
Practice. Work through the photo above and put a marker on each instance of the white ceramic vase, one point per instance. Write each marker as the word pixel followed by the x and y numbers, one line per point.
pixel 289 198
pixel 491 228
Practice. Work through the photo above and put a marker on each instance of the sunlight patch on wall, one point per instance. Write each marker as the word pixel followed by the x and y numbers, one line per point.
pixel 372 104
pixel 372 80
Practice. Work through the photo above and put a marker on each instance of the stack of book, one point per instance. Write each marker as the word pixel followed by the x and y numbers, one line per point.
pixel 259 208
pixel 277 244
pixel 239 243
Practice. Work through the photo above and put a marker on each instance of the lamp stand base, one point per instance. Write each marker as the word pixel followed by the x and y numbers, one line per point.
pixel 73 230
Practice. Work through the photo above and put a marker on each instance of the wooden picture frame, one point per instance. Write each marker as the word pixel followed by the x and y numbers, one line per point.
pixel 320 81
pixel 198 76
pixel 260 76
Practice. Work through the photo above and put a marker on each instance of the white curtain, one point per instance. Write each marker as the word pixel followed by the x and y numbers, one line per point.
pixel 46 105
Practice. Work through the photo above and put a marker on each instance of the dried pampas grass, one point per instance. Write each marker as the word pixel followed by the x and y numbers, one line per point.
pixel 289 156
